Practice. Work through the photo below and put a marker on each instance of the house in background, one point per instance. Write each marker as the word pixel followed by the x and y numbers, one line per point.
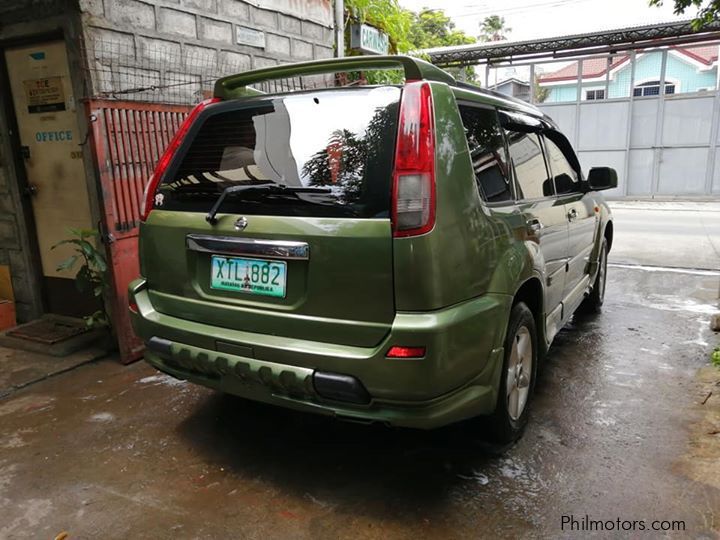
pixel 688 69
pixel 513 87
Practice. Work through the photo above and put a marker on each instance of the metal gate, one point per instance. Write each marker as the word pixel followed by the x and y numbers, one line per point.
pixel 128 139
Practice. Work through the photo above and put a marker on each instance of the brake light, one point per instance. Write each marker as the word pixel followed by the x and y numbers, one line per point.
pixel 133 307
pixel 146 204
pixel 413 196
pixel 405 352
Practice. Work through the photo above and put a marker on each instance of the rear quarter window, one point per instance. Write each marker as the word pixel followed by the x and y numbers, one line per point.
pixel 487 153
pixel 333 148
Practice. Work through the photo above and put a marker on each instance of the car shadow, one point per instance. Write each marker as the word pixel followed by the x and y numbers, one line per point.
pixel 302 453
pixel 306 453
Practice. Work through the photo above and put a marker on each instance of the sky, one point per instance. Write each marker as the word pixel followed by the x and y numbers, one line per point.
pixel 530 19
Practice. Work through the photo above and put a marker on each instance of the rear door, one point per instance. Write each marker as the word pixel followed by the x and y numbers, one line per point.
pixel 304 249
pixel 579 210
pixel 545 219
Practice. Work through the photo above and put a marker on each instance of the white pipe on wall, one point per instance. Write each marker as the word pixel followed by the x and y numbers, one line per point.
pixel 339 28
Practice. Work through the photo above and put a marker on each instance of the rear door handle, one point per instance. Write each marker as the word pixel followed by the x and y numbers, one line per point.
pixel 534 225
pixel 572 215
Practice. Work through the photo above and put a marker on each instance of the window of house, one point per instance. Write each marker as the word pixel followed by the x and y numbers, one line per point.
pixel 528 162
pixel 487 153
pixel 652 88
pixel 591 95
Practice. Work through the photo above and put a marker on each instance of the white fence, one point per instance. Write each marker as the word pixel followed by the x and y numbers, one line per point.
pixel 665 146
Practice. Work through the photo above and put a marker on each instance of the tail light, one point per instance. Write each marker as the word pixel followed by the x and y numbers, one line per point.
pixel 162 165
pixel 413 197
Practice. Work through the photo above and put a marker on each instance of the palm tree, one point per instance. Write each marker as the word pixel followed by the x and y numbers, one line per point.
pixel 493 29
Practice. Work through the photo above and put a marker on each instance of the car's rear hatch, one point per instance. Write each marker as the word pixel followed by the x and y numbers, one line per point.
pixel 304 248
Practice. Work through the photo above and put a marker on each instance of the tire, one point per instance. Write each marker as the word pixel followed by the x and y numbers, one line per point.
pixel 594 301
pixel 517 381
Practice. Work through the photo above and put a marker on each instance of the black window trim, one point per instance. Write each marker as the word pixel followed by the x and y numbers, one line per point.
pixel 480 105
pixel 537 127
pixel 572 161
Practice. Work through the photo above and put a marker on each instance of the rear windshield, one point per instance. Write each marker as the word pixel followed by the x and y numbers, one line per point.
pixel 332 149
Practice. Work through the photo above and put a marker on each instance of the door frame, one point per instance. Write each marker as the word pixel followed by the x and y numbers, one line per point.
pixel 16 167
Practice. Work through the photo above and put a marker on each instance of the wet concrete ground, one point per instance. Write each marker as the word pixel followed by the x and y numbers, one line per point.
pixel 124 452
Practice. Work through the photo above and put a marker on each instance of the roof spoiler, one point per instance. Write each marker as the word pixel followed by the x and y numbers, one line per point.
pixel 234 86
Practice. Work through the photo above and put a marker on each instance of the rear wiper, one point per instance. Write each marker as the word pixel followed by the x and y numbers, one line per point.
pixel 211 216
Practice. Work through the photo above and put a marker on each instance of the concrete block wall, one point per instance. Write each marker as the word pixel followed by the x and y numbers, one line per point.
pixel 178 47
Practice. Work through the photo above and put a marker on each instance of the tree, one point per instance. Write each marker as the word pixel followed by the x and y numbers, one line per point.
pixel 408 32
pixel 708 10
pixel 541 92
pixel 493 28
pixel 432 28
pixel 386 15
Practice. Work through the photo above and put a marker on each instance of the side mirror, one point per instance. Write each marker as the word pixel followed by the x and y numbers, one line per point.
pixel 601 178
pixel 565 184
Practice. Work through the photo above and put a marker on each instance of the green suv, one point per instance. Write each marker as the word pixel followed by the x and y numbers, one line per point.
pixel 401 254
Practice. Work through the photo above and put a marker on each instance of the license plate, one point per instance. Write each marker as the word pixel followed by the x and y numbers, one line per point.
pixel 254 276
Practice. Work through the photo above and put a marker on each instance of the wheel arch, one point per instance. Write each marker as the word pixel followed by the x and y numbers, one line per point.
pixel 608 234
pixel 531 293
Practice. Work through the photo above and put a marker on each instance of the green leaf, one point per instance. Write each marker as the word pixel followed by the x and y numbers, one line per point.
pixel 100 262
pixel 87 248
pixel 67 264
pixel 63 242
pixel 89 233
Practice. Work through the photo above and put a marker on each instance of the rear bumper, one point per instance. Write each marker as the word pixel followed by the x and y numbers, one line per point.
pixel 457 379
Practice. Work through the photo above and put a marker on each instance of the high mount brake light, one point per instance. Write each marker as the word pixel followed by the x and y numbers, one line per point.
pixel 413 195
pixel 162 165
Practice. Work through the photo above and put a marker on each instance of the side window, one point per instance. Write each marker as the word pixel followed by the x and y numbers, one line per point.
pixel 487 152
pixel 565 177
pixel 527 158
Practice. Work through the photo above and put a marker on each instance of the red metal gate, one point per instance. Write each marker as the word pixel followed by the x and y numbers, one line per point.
pixel 128 139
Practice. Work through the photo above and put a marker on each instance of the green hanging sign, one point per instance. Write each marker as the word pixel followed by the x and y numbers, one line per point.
pixel 368 39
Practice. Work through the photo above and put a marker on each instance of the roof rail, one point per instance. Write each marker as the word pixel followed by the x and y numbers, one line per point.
pixel 470 86
pixel 234 86
pixel 519 103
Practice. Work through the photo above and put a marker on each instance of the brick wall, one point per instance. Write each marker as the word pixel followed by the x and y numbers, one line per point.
pixel 165 50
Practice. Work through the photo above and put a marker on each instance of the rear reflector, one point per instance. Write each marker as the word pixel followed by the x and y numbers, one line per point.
pixel 163 163
pixel 133 306
pixel 413 198
pixel 405 352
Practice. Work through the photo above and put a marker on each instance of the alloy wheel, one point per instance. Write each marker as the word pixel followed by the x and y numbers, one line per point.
pixel 519 372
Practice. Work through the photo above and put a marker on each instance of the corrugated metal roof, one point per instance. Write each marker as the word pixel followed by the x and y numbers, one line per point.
pixel 627 38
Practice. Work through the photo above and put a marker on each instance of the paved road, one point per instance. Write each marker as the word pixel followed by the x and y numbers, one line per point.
pixel 685 235
pixel 124 452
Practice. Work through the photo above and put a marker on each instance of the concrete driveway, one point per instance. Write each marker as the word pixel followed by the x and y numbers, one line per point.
pixel 617 432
